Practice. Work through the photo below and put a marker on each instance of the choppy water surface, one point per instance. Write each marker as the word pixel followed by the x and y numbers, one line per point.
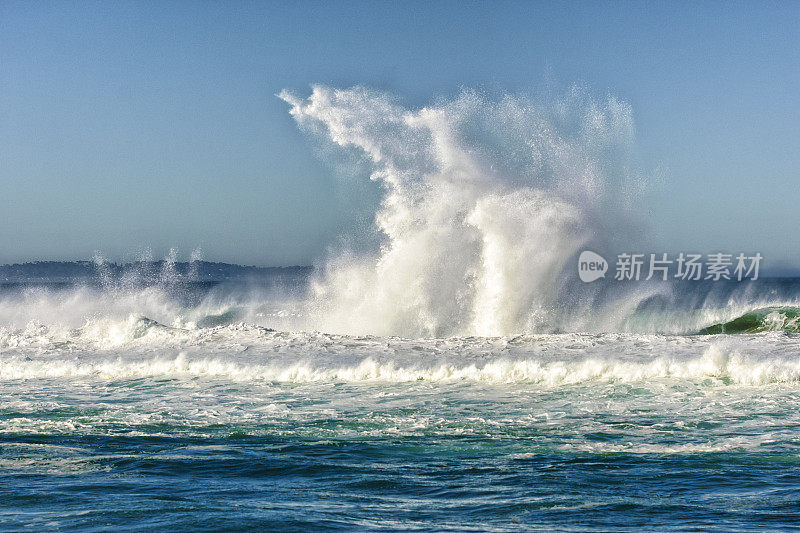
pixel 122 421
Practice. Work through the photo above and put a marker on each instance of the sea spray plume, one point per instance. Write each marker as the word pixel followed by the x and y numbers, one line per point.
pixel 485 204
pixel 169 275
pixel 143 272
pixel 194 261
pixel 118 298
pixel 102 269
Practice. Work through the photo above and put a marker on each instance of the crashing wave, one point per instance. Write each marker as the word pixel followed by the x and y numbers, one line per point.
pixel 486 204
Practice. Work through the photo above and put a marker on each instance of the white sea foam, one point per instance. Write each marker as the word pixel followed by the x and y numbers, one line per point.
pixel 550 361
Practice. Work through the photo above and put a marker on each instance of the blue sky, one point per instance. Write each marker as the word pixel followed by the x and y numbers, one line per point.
pixel 128 125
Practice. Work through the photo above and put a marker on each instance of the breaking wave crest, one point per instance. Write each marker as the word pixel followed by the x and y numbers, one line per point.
pixel 716 364
pixel 773 318
pixel 101 318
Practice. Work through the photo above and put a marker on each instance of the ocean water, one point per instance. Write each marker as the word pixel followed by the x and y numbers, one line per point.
pixel 177 406
pixel 443 369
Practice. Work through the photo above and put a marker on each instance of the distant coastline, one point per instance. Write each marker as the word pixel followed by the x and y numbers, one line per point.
pixel 195 270
pixel 65 271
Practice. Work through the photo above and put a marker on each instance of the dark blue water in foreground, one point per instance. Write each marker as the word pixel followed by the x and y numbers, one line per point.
pixel 411 483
